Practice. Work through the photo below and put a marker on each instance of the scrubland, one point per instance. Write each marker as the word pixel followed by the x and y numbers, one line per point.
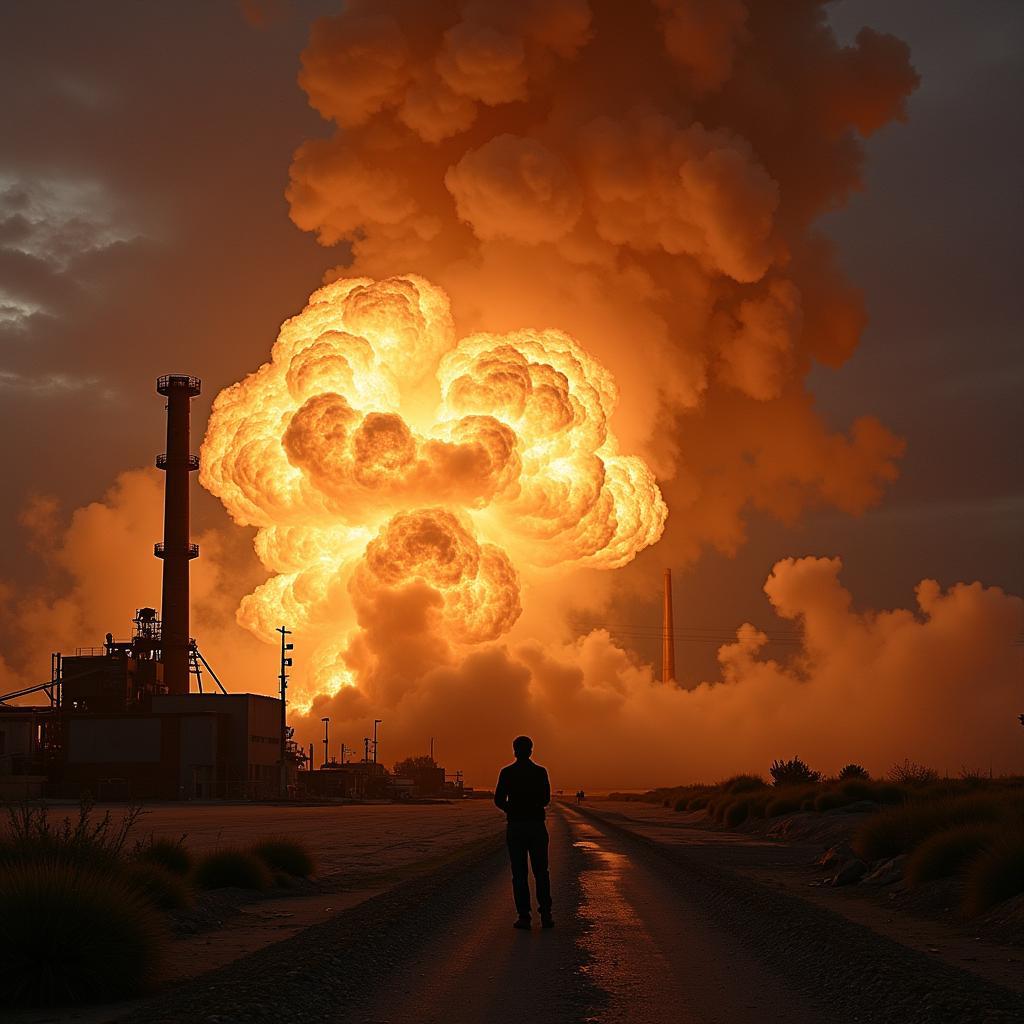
pixel 911 826
pixel 84 904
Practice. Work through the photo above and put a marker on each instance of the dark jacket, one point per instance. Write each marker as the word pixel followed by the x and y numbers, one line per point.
pixel 523 791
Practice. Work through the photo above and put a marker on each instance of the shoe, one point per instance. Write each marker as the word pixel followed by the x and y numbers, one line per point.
pixel 522 922
pixel 547 921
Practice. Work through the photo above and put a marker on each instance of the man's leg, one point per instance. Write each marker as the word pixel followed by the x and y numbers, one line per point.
pixel 539 862
pixel 518 848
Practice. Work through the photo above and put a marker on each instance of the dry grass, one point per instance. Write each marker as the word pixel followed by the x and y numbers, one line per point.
pixel 72 934
pixel 232 868
pixel 997 874
pixel 284 855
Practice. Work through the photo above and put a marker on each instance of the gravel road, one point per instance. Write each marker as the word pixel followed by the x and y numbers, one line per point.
pixel 643 935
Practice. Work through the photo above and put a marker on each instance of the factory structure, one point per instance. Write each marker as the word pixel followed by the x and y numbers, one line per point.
pixel 124 721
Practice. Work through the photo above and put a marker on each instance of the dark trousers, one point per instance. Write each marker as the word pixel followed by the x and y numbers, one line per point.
pixel 529 840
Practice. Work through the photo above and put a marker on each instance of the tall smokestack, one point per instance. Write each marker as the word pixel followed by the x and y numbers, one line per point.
pixel 668 635
pixel 176 550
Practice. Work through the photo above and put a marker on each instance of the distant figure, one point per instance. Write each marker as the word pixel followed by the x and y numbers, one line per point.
pixel 522 792
pixel 583 796
pixel 579 796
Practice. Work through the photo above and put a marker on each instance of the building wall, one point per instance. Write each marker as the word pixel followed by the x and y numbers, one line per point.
pixel 113 740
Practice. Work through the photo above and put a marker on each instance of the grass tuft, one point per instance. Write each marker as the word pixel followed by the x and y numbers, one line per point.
pixel 996 875
pixel 947 852
pixel 165 889
pixel 897 830
pixel 281 854
pixel 73 934
pixel 170 854
pixel 232 868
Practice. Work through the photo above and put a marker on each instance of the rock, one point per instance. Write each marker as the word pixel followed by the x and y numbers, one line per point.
pixel 888 872
pixel 850 873
pixel 834 856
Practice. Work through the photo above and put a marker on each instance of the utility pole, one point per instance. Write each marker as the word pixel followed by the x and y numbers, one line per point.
pixel 376 722
pixel 327 728
pixel 366 749
pixel 432 750
pixel 311 768
pixel 286 663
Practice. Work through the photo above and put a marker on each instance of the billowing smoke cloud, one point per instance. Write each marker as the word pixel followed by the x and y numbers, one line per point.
pixel 938 684
pixel 643 178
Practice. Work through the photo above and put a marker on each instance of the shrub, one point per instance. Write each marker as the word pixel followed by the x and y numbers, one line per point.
pixel 285 855
pixel 758 802
pixel 830 800
pixel 163 888
pixel 857 788
pixel 170 854
pixel 698 803
pixel 743 784
pixel 908 771
pixel 736 811
pixel 945 853
pixel 32 837
pixel 853 771
pixel 227 868
pixel 897 830
pixel 72 934
pixel 887 793
pixel 996 875
pixel 782 805
pixel 793 773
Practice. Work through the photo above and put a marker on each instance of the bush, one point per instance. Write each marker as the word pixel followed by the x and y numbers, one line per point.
pixel 698 803
pixel 996 875
pixel 736 811
pixel 31 836
pixel 853 771
pixel 945 853
pixel 164 889
pixel 232 868
pixel 783 805
pixel 170 854
pixel 908 771
pixel 793 773
pixel 897 830
pixel 830 800
pixel 743 784
pixel 72 934
pixel 285 855
pixel 857 788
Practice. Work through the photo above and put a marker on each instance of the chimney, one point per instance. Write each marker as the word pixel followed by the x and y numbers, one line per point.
pixel 668 635
pixel 176 550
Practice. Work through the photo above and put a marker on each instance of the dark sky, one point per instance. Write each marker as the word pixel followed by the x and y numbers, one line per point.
pixel 143 230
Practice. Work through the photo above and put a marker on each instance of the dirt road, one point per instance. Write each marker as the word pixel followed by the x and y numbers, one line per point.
pixel 644 934
pixel 627 947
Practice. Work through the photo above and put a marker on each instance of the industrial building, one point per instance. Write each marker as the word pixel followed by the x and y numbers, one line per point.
pixel 122 720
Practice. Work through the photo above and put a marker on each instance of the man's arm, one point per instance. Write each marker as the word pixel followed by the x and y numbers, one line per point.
pixel 501 793
pixel 546 789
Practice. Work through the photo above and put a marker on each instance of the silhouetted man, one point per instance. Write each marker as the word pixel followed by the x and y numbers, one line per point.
pixel 522 792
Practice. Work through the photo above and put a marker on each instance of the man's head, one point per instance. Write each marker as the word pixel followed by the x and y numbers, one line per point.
pixel 523 747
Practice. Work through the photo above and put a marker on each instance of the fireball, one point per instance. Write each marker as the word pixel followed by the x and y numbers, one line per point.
pixel 376 452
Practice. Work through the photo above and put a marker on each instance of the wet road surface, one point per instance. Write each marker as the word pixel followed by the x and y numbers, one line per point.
pixel 627 947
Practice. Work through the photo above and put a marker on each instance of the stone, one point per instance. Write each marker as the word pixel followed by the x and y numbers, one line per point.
pixel 851 872
pixel 835 855
pixel 887 873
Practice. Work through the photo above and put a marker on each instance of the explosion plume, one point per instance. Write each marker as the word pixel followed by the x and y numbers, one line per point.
pixel 374 452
